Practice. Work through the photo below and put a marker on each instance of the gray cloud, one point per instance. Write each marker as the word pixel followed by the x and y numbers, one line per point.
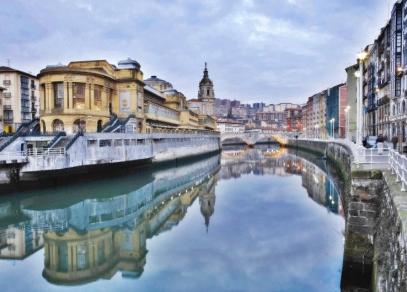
pixel 257 50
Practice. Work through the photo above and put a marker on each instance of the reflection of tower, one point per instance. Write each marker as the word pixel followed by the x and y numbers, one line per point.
pixel 207 201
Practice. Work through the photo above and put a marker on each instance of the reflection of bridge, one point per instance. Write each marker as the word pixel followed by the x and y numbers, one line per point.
pixel 254 137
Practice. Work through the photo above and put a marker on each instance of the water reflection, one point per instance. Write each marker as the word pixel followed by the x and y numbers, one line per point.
pixel 95 230
pixel 276 161
pixel 256 238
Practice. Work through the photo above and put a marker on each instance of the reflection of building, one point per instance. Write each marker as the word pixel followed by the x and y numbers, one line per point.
pixel 276 161
pixel 19 241
pixel 102 228
pixel 207 201
pixel 20 98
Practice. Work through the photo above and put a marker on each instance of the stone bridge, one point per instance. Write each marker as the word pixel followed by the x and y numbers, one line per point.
pixel 252 138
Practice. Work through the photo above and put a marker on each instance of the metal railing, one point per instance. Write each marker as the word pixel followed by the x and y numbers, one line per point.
pixel 45 151
pixel 398 166
pixel 372 156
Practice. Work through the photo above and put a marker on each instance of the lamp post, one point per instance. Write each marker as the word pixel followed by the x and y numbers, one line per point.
pixel 332 121
pixel 347 122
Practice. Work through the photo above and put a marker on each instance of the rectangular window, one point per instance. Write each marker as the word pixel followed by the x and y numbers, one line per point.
pixel 105 143
pixel 6 82
pixel 58 95
pixel 62 258
pixel 82 260
pixel 97 95
pixel 78 95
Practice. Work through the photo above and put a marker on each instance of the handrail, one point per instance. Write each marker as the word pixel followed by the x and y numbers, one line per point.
pixel 77 135
pixel 55 139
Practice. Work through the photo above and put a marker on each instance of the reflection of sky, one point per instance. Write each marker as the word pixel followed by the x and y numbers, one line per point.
pixel 265 234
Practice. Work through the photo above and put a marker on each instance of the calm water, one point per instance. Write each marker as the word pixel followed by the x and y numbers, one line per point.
pixel 258 219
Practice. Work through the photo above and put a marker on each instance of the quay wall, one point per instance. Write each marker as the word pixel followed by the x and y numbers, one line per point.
pixel 94 151
pixel 375 254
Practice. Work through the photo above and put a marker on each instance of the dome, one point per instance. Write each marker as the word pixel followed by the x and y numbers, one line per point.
pixel 206 81
pixel 129 64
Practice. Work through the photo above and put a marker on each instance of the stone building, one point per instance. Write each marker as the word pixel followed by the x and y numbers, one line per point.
pixel 20 98
pixel 204 105
pixel 85 94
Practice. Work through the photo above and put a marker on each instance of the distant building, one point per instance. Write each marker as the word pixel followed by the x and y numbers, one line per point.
pixel 204 105
pixel 332 110
pixel 1 106
pixel 20 97
pixel 230 126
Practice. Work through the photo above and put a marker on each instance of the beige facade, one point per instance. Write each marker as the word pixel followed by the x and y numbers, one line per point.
pixel 83 95
pixel 168 108
pixel 20 98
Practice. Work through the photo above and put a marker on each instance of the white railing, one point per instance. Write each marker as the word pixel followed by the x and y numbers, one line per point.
pixel 372 156
pixel 46 151
pixel 12 155
pixel 398 166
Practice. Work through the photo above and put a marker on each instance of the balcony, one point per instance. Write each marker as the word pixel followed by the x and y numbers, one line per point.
pixel 161 113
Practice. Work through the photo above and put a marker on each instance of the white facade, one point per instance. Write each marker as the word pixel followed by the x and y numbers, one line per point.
pixel 20 97
pixel 230 127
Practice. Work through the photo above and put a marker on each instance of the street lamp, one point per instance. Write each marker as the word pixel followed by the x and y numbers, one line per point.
pixel 332 121
pixel 347 122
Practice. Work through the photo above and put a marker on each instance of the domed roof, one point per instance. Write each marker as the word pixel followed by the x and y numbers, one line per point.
pixel 129 64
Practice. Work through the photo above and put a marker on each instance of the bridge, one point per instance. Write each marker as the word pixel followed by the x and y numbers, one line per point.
pixel 254 137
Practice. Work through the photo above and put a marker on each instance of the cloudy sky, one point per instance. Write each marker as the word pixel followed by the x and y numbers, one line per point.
pixel 257 50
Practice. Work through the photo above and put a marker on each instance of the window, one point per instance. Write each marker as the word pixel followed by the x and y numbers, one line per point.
pixel 57 125
pixel 62 258
pixel 105 143
pixel 101 252
pixel 82 257
pixel 6 82
pixel 78 95
pixel 97 96
pixel 58 94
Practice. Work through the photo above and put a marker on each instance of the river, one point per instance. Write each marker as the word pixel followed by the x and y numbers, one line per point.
pixel 257 219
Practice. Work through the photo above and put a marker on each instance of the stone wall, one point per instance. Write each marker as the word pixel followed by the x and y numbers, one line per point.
pixel 376 222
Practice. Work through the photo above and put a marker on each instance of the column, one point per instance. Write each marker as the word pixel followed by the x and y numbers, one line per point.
pixel 87 95
pixel 70 91
pixel 92 96
pixel 66 95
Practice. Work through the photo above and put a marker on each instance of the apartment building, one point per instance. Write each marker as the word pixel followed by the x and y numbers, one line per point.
pixel 20 98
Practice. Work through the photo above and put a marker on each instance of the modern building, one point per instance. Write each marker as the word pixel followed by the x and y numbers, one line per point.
pixel 336 97
pixel 20 98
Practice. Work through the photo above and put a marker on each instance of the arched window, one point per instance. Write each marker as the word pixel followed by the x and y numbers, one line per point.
pixel 99 126
pixel 57 125
pixel 79 125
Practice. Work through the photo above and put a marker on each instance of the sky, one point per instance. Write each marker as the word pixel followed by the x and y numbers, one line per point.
pixel 257 50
